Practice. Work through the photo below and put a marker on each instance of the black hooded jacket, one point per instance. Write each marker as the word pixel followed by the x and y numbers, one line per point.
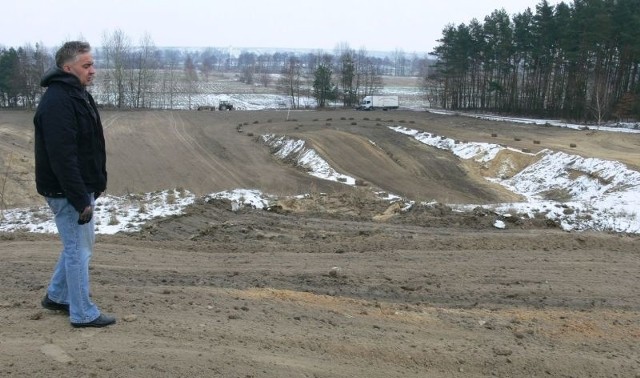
pixel 69 141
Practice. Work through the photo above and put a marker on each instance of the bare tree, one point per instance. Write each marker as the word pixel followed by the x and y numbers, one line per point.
pixel 264 74
pixel 247 73
pixel 360 61
pixel 602 92
pixel 170 78
pixel 190 78
pixel 430 82
pixel 146 71
pixel 208 62
pixel 345 68
pixel 400 62
pixel 116 48
pixel 291 80
pixel 370 81
pixel 24 81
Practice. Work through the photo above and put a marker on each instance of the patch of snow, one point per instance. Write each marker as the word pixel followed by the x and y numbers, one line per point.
pixel 111 214
pixel 243 197
pixel 603 195
pixel 307 158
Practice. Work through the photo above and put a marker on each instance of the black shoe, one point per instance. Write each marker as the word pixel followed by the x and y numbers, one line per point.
pixel 101 321
pixel 54 306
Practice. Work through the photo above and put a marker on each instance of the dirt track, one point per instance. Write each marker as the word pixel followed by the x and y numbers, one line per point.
pixel 317 287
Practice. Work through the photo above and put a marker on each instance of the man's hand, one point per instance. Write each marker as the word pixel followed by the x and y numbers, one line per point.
pixel 85 215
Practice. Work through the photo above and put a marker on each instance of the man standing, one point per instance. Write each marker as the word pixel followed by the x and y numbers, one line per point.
pixel 71 173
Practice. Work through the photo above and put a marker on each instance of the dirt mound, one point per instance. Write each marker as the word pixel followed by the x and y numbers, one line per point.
pixel 319 223
pixel 508 163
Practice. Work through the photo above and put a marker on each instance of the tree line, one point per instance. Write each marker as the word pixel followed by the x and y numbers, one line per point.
pixel 146 76
pixel 578 61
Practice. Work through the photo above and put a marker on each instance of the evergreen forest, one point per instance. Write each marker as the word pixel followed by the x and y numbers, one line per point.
pixel 577 61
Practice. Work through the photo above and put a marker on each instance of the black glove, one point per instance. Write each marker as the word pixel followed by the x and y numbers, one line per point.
pixel 85 215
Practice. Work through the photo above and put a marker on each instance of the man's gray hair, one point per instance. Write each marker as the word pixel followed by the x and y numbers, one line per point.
pixel 70 51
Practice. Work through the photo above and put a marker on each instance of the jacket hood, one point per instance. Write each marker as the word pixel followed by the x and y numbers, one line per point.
pixel 56 74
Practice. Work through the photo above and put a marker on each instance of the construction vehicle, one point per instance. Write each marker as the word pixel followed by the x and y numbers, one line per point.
pixel 225 105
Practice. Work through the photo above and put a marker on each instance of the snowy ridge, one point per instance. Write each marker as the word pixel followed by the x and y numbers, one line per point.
pixel 480 152
pixel 604 195
pixel 295 150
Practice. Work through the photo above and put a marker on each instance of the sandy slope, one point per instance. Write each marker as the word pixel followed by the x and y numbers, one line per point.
pixel 317 287
pixel 207 152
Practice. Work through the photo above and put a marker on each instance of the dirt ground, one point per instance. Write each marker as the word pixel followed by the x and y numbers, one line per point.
pixel 336 284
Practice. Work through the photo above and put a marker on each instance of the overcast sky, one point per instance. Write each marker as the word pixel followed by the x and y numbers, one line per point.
pixel 376 25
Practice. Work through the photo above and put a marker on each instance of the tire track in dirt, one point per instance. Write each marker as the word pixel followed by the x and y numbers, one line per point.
pixel 111 119
pixel 201 153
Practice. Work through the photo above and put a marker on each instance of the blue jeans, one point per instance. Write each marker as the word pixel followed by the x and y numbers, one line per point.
pixel 70 280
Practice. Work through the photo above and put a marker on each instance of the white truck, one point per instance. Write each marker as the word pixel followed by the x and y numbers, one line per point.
pixel 379 102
